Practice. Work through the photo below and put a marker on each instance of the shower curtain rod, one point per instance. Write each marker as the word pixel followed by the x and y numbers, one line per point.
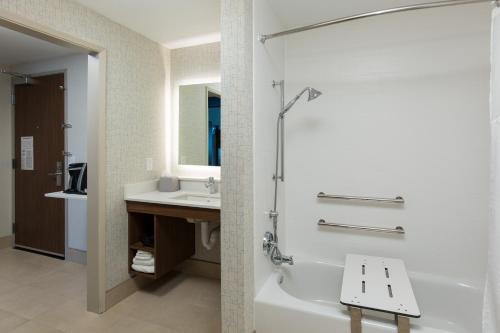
pixel 263 38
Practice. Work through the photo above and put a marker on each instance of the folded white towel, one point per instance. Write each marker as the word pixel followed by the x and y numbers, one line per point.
pixel 144 254
pixel 144 258
pixel 144 269
pixel 144 262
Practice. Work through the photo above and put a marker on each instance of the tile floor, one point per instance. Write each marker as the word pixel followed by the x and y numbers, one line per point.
pixel 39 294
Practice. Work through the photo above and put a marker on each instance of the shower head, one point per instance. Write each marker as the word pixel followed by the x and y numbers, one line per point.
pixel 312 94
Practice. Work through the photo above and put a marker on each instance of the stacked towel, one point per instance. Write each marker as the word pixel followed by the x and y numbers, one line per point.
pixel 143 262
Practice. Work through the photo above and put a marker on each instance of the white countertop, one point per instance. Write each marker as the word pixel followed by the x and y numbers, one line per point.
pixel 62 195
pixel 169 198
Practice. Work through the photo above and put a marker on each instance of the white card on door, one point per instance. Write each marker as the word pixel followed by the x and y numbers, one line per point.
pixel 27 154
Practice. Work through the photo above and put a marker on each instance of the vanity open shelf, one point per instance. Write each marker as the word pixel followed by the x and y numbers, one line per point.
pixel 173 236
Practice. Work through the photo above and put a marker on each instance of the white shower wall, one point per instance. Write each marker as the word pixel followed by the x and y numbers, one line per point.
pixel 268 66
pixel 404 111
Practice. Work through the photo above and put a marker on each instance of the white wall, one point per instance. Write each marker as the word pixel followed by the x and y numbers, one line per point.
pixel 76 81
pixel 268 66
pixel 6 174
pixel 404 111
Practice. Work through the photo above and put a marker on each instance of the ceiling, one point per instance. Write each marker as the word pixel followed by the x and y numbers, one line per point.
pixel 18 48
pixel 181 23
pixel 173 23
pixel 299 13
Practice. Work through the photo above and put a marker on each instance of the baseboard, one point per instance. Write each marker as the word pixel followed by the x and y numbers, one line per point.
pixel 78 256
pixel 125 289
pixel 6 242
pixel 202 268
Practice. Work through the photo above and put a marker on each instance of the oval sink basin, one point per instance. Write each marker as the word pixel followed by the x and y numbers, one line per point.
pixel 198 198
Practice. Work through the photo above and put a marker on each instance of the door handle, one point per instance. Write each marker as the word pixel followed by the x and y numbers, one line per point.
pixel 58 174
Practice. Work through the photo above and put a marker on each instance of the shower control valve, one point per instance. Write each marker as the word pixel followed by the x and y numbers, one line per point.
pixel 268 243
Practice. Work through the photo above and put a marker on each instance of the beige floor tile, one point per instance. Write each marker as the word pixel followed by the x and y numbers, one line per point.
pixel 22 270
pixel 185 304
pixel 130 325
pixel 7 286
pixel 72 268
pixel 70 285
pixel 9 321
pixel 73 317
pixel 29 302
pixel 33 327
pixel 39 294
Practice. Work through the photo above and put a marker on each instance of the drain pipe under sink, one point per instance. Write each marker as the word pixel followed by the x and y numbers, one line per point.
pixel 208 239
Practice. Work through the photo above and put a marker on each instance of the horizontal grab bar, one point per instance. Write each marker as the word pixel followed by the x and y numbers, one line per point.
pixel 397 200
pixel 396 230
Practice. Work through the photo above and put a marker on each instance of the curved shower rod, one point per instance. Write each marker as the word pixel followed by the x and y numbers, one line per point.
pixel 263 38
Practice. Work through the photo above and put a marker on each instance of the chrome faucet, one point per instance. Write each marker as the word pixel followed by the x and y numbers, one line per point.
pixel 270 247
pixel 211 185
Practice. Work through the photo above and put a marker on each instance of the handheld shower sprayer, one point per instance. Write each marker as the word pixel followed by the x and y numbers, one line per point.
pixel 312 94
pixel 270 244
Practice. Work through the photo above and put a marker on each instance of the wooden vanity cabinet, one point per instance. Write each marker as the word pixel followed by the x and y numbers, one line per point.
pixel 174 236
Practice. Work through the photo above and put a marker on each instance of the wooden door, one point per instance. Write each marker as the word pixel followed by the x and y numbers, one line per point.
pixel 39 115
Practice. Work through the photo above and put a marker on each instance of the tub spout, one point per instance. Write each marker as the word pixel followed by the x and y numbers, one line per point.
pixel 287 260
pixel 277 258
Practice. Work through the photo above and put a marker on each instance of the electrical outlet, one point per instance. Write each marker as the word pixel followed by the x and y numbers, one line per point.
pixel 149 164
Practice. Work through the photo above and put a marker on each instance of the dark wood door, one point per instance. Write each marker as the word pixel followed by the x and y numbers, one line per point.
pixel 39 115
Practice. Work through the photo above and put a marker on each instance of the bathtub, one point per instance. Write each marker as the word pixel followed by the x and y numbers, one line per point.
pixel 304 298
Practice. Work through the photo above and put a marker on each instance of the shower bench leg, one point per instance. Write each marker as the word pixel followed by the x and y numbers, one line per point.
pixel 355 319
pixel 403 324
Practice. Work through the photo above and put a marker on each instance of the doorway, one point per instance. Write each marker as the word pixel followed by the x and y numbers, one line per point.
pixel 95 229
pixel 39 164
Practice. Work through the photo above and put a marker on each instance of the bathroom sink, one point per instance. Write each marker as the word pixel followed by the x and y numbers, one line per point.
pixel 198 198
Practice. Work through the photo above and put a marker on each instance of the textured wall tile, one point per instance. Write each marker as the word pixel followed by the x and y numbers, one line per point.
pixel 135 108
pixel 237 167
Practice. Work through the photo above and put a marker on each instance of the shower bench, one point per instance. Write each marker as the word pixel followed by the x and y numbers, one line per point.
pixel 378 284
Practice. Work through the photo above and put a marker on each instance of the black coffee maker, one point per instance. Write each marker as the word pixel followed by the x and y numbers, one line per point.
pixel 77 178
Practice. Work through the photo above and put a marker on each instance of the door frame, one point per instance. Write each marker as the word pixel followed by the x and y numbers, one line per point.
pixel 96 155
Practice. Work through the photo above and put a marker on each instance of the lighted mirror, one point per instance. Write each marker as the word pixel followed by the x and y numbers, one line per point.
pixel 199 124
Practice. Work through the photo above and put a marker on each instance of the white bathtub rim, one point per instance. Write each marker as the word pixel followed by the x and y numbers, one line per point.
pixel 478 286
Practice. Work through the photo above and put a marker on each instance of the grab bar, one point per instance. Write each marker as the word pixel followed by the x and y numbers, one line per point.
pixel 396 230
pixel 396 200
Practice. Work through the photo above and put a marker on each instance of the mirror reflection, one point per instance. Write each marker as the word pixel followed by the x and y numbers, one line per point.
pixel 199 124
